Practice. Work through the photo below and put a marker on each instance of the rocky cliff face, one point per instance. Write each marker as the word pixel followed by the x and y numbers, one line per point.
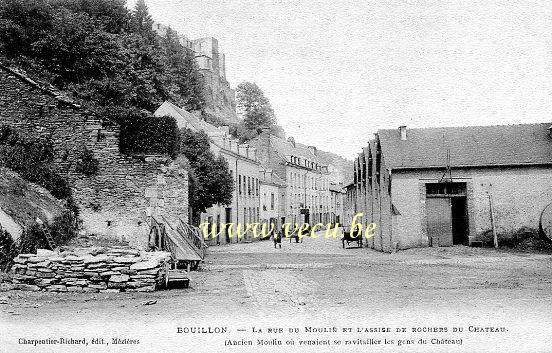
pixel 220 100
pixel 341 169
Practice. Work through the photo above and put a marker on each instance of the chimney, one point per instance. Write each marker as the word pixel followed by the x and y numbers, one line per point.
pixel 313 149
pixel 264 134
pixel 402 131
pixel 292 140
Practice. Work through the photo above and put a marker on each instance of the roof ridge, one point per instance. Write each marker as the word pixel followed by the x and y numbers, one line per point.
pixel 468 126
pixel 46 87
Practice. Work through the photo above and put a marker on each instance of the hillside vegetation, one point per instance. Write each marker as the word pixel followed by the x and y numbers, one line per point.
pixel 23 202
pixel 343 165
pixel 100 51
pixel 106 57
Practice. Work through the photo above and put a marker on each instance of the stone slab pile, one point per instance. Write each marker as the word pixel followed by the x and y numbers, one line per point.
pixel 90 270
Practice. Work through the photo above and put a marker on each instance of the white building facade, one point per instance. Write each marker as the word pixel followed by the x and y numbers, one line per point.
pixel 307 195
pixel 337 195
pixel 244 167
pixel 272 189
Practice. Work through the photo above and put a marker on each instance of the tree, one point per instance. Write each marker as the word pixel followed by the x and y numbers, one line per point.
pixel 76 49
pixel 144 70
pixel 113 14
pixel 254 107
pixel 210 180
pixel 185 82
pixel 141 21
pixel 109 58
pixel 190 82
pixel 21 24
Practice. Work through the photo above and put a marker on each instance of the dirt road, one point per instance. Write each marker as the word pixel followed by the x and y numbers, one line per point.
pixel 314 283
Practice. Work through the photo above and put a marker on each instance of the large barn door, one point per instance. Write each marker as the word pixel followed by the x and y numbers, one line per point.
pixel 439 221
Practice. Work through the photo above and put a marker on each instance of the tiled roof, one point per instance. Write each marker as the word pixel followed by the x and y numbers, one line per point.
pixel 499 145
pixel 185 119
pixel 285 148
pixel 275 179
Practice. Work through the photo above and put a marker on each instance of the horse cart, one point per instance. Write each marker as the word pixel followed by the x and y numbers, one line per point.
pixel 352 237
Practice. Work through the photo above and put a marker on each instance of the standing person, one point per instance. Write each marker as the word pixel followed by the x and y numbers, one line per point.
pixel 277 233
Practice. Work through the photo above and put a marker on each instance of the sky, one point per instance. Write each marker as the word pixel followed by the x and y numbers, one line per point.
pixel 336 71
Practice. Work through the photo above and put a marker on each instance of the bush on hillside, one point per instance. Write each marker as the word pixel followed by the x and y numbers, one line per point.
pixel 32 159
pixel 145 134
pixel 63 228
pixel 215 120
pixel 8 250
pixel 87 164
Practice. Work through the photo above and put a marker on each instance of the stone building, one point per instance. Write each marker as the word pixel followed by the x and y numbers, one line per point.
pixel 307 197
pixel 118 199
pixel 273 191
pixel 220 98
pixel 242 162
pixel 446 186
pixel 337 198
pixel 349 204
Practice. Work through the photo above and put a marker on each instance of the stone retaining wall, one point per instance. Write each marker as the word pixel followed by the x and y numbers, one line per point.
pixel 113 201
pixel 90 270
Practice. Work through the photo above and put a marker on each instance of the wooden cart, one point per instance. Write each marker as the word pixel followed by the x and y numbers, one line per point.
pixel 185 244
pixel 351 237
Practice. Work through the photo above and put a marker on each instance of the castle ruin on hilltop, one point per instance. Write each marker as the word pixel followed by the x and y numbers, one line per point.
pixel 220 99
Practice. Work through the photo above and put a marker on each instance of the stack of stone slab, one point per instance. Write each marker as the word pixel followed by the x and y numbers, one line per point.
pixel 90 270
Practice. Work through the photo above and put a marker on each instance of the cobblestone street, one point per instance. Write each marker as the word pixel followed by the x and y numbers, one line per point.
pixel 316 281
